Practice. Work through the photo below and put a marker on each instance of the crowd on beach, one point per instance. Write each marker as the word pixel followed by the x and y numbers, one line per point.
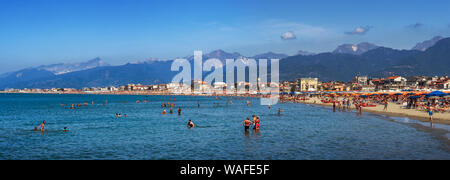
pixel 422 102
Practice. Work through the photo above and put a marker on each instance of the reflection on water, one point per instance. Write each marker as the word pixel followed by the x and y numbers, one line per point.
pixel 301 132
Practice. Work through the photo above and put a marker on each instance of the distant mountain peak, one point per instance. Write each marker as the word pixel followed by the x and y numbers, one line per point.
pixel 305 53
pixel 423 46
pixel 63 68
pixel 355 49
pixel 269 55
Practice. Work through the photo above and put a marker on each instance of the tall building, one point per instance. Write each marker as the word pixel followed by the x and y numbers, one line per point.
pixel 307 84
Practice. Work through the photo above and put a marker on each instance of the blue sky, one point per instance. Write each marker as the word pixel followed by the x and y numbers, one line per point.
pixel 36 32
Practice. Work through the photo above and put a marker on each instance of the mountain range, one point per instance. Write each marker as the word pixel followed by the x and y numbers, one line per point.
pixel 426 58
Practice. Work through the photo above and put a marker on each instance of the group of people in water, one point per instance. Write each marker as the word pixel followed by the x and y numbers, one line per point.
pixel 41 127
pixel 120 115
pixel 255 122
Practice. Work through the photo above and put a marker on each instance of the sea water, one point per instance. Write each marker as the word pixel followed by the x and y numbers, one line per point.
pixel 301 132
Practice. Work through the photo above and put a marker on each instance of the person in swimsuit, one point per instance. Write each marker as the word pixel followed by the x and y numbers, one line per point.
pixel 279 111
pixel 190 124
pixel 430 112
pixel 42 126
pixel 256 123
pixel 247 123
pixel 179 111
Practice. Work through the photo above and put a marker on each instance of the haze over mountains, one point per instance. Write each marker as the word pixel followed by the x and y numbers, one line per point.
pixel 430 58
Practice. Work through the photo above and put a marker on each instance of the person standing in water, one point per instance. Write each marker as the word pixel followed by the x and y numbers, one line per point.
pixel 42 126
pixel 198 104
pixel 190 124
pixel 279 111
pixel 247 123
pixel 256 123
pixel 179 111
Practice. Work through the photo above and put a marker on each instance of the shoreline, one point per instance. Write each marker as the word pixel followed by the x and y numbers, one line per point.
pixel 393 110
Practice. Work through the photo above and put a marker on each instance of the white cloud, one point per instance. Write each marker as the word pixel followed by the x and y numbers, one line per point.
pixel 288 35
pixel 359 30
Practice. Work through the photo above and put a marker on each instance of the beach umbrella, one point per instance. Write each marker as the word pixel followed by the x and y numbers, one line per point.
pixel 414 97
pixel 398 94
pixel 363 96
pixel 385 94
pixel 436 93
pixel 411 94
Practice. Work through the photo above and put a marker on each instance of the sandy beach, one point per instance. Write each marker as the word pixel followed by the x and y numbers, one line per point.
pixel 393 110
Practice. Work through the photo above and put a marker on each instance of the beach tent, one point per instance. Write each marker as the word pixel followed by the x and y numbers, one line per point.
pixel 436 93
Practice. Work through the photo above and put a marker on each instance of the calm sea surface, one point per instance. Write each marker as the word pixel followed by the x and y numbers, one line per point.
pixel 302 132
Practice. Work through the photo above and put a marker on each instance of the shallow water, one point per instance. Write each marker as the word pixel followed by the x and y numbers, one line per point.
pixel 302 132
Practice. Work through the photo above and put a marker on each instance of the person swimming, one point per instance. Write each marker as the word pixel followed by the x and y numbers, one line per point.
pixel 164 112
pixel 65 129
pixel 190 124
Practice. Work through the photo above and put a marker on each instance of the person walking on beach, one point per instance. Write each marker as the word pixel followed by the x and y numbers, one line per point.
pixel 247 123
pixel 430 113
pixel 360 109
pixel 385 105
pixel 334 106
